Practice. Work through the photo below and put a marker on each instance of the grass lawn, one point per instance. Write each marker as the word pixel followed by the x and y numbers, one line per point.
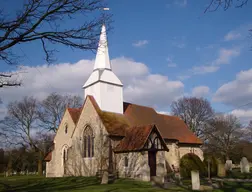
pixel 77 184
pixel 73 184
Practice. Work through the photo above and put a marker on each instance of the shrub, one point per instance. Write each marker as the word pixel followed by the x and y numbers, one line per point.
pixel 213 164
pixel 191 162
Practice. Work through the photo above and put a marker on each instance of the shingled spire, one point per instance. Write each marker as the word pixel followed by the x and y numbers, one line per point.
pixel 102 56
pixel 103 84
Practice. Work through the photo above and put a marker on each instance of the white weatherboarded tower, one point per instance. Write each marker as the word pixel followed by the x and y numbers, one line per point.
pixel 103 84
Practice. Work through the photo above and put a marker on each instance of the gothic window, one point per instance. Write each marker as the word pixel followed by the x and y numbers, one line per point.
pixel 65 153
pixel 64 157
pixel 88 142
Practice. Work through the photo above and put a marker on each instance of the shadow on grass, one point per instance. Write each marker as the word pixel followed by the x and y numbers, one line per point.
pixel 71 184
pixel 48 184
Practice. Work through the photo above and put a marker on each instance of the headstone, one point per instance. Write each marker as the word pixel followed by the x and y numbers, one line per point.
pixel 105 177
pixel 221 170
pixel 195 180
pixel 157 181
pixel 244 164
pixel 228 165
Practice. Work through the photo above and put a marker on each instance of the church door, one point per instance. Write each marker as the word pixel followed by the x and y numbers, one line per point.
pixel 152 162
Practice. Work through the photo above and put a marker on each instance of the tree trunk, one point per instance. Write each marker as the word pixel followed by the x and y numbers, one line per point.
pixel 40 164
pixel 9 166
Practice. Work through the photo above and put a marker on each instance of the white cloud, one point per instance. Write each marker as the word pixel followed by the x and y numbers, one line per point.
pixel 183 77
pixel 210 46
pixel 225 55
pixel 180 3
pixel 179 42
pixel 244 115
pixel 170 62
pixel 232 35
pixel 179 45
pixel 140 86
pixel 140 43
pixel 164 112
pixel 236 92
pixel 204 69
pixel 200 91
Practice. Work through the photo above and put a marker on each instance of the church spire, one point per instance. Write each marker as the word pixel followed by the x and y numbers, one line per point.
pixel 102 56
pixel 103 84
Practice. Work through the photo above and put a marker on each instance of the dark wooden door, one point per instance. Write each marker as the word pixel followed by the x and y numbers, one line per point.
pixel 152 162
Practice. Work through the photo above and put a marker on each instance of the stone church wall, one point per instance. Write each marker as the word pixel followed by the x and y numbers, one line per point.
pixel 188 149
pixel 138 167
pixel 54 168
pixel 176 152
pixel 76 164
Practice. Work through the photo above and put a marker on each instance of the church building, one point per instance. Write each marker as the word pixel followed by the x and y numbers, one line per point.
pixel 108 134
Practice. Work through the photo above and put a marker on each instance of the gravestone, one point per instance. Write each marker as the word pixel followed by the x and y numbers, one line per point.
pixel 105 177
pixel 221 170
pixel 157 181
pixel 195 180
pixel 228 165
pixel 244 164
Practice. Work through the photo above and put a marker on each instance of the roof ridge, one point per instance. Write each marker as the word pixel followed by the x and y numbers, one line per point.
pixel 174 116
pixel 142 106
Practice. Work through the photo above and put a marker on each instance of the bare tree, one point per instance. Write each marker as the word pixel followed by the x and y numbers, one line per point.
pixel 225 4
pixel 51 109
pixel 223 134
pixel 43 22
pixel 20 125
pixel 249 131
pixel 195 112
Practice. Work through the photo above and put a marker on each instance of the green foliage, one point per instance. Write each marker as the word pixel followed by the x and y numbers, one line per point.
pixel 191 162
pixel 213 164
pixel 236 174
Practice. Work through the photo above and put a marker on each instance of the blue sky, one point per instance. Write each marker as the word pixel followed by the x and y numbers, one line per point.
pixel 175 39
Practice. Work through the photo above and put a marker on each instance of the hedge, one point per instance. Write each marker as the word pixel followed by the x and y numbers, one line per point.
pixel 213 164
pixel 191 162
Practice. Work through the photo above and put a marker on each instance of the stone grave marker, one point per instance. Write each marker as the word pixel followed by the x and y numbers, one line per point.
pixel 228 165
pixel 105 178
pixel 221 170
pixel 195 180
pixel 244 165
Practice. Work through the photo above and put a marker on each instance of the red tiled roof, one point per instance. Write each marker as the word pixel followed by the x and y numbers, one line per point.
pixel 136 138
pixel 48 157
pixel 75 113
pixel 170 127
pixel 180 130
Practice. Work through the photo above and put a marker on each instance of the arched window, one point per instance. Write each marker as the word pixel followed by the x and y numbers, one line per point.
pixel 64 157
pixel 66 128
pixel 65 153
pixel 88 142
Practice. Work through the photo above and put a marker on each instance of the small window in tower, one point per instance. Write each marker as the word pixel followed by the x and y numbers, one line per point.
pixel 66 129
